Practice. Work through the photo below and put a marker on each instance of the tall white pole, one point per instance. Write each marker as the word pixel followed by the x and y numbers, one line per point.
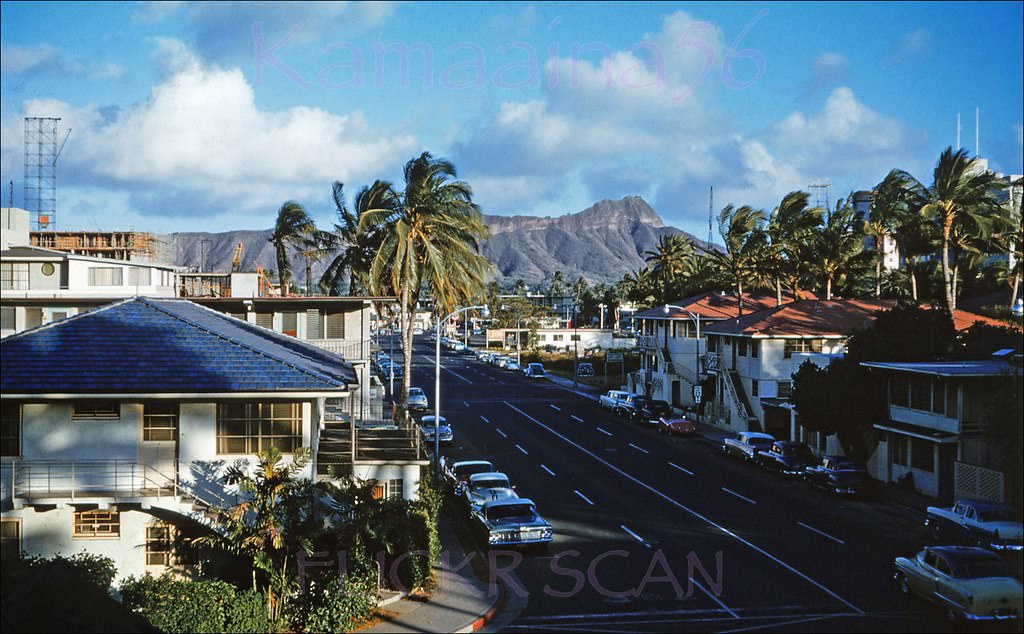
pixel 437 400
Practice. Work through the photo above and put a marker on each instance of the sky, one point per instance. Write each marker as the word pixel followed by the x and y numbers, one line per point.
pixel 206 116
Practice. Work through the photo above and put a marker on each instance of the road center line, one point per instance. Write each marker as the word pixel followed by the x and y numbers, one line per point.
pixel 575 418
pixel 455 374
pixel 604 432
pixel 554 407
pixel 742 497
pixel 548 470
pixel 525 452
pixel 714 598
pixel 692 512
pixel 634 535
pixel 503 434
pixel 485 420
pixel 686 471
pixel 638 448
pixel 585 498
pixel 822 533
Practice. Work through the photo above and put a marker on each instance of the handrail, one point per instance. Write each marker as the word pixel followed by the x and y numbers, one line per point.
pixel 78 477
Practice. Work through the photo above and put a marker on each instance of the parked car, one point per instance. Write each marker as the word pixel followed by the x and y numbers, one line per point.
pixel 511 522
pixel 458 473
pixel 501 360
pixel 746 445
pixel 676 426
pixel 613 400
pixel 838 474
pixel 417 400
pixel 429 429
pixel 977 522
pixel 585 369
pixel 483 355
pixel 486 487
pixel 511 365
pixel 970 584
pixel 647 410
pixel 787 457
pixel 535 371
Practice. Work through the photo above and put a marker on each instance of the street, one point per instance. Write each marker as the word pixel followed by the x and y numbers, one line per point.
pixel 654 533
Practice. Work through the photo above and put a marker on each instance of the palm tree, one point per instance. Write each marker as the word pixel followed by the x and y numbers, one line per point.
pixel 738 228
pixel 839 245
pixel 670 262
pixel 789 229
pixel 294 229
pixel 430 237
pixel 357 247
pixel 557 286
pixel 961 203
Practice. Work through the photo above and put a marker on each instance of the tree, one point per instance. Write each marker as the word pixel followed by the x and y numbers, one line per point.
pixel 556 288
pixel 671 263
pixel 961 204
pixel 430 237
pixel 357 248
pixel 838 246
pixel 294 228
pixel 786 256
pixel 738 228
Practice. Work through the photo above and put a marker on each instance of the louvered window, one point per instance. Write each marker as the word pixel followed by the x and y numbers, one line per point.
pixel 336 326
pixel 265 319
pixel 290 323
pixel 314 324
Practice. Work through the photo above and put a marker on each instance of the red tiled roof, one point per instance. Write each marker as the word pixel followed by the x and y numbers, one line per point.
pixel 962 320
pixel 717 305
pixel 816 318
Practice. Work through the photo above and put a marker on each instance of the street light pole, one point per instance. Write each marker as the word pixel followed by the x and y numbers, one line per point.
pixel 437 382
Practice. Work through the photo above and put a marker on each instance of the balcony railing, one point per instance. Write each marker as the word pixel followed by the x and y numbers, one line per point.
pixel 351 349
pixel 118 479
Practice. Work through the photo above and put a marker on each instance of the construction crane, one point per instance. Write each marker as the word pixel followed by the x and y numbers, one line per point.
pixel 236 263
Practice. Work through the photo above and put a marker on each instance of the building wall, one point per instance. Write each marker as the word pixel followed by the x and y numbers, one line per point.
pixel 14 227
pixel 409 474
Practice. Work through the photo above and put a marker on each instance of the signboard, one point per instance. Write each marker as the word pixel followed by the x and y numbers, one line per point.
pixel 698 391
pixel 613 357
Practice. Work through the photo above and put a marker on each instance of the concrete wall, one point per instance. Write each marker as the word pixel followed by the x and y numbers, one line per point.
pixel 409 474
pixel 14 227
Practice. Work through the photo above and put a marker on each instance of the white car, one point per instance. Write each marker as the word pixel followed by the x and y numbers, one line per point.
pixel 442 432
pixel 487 487
pixel 535 370
pixel 512 365
pixel 417 400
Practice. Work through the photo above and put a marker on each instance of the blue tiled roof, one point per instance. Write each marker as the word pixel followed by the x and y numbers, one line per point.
pixel 164 346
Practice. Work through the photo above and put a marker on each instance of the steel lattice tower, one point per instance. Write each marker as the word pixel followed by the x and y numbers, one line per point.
pixel 41 171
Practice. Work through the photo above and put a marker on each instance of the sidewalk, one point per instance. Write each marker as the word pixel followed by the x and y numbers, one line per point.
pixel 461 602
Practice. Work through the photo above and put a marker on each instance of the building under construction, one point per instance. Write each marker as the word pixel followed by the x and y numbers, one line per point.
pixel 132 246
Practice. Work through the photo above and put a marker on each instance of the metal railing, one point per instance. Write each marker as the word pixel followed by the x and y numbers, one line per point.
pixel 351 349
pixel 89 478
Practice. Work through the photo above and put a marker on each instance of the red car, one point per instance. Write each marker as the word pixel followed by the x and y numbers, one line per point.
pixel 677 426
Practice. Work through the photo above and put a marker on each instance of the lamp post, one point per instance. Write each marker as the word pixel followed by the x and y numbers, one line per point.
pixel 519 358
pixel 437 381
pixel 696 368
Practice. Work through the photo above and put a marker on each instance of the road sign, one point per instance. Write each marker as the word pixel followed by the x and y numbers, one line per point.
pixel 613 357
pixel 697 393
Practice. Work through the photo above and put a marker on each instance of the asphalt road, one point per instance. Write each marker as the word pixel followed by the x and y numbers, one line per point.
pixel 665 534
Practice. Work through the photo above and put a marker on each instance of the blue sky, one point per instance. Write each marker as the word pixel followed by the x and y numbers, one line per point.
pixel 208 116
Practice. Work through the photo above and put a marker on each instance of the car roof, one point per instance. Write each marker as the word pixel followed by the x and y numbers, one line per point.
pixel 415 390
pixel 757 434
pixel 965 554
pixel 487 475
pixel 984 504
pixel 490 504
pixel 466 463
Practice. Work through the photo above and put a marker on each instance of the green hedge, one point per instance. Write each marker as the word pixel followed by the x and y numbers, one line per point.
pixel 331 606
pixel 171 604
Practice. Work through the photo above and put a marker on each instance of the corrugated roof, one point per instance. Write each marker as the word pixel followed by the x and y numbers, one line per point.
pixel 164 346
pixel 981 367
pixel 817 318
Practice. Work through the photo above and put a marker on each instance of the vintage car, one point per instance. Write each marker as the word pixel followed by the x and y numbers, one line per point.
pixel 614 400
pixel 977 522
pixel 972 584
pixel 746 444
pixel 487 486
pixel 534 371
pixel 585 369
pixel 458 473
pixel 417 400
pixel 786 457
pixel 838 474
pixel 677 426
pixel 647 410
pixel 511 365
pixel 511 522
pixel 429 429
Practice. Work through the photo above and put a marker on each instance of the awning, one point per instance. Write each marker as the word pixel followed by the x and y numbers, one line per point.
pixel 923 433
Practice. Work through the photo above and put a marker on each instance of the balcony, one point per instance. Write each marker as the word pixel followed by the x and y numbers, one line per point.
pixel 351 349
pixel 46 481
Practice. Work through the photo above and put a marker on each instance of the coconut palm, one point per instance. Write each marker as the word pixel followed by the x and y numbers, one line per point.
pixel 962 204
pixel 430 238
pixel 839 245
pixel 671 262
pixel 739 227
pixel 293 229
pixel 357 247
pixel 785 258
pixel 557 286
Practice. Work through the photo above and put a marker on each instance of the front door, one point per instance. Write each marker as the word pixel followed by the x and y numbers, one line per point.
pixel 158 451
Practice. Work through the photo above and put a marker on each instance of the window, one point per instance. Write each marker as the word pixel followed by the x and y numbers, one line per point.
pixel 755 347
pixel 922 455
pixel 335 326
pixel 290 323
pixel 106 276
pixel 10 538
pixel 266 320
pixel 899 389
pixel 741 344
pixel 314 324
pixel 248 428
pixel 753 388
pixel 96 410
pixel 96 524
pixel 158 544
pixel 939 397
pixel 159 422
pixel 139 276
pixel 899 449
pixel 920 393
pixel 557 337
pixel 7 318
pixel 542 337
pixel 14 276
pixel 388 489
pixel 784 389
pixel 801 346
pixel 10 429
pixel 712 344
pixel 575 338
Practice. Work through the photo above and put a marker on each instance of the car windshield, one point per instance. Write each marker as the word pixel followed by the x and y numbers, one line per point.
pixel 467 470
pixel 658 407
pixel 997 515
pixel 761 442
pixel 491 483
pixel 415 391
pixel 795 450
pixel 509 511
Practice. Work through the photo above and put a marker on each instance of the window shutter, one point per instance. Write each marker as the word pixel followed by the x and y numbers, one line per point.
pixel 314 324
pixel 336 326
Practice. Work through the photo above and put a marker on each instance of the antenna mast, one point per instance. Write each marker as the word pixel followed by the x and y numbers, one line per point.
pixel 711 206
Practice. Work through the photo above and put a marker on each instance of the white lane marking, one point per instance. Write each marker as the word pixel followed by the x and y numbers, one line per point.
pixel 714 598
pixel 503 434
pixel 465 404
pixel 822 533
pixel 485 420
pixel 638 448
pixel 604 432
pixel 575 418
pixel 525 452
pixel 548 470
pixel 692 512
pixel 554 407
pixel 634 535
pixel 585 498
pixel 453 373
pixel 742 497
pixel 686 471
pixel 812 619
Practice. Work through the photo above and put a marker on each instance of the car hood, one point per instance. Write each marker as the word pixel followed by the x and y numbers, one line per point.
pixel 518 522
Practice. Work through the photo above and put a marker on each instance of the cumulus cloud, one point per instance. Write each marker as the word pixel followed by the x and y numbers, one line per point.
pixel 829 69
pixel 201 132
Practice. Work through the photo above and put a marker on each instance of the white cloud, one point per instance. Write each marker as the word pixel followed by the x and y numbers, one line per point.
pixel 18 59
pixel 912 45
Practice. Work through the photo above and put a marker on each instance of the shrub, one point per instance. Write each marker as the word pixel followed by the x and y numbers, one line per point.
pixel 328 605
pixel 176 605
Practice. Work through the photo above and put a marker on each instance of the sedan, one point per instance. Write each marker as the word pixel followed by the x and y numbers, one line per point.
pixel 487 487
pixel 417 400
pixel 429 430
pixel 969 583
pixel 457 474
pixel 512 365
pixel 677 426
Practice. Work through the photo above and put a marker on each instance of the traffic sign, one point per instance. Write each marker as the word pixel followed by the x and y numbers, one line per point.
pixel 697 393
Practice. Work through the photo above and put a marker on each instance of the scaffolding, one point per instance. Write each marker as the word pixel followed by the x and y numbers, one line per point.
pixel 41 153
pixel 133 246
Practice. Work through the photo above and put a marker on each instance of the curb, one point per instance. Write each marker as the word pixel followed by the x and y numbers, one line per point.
pixel 488 616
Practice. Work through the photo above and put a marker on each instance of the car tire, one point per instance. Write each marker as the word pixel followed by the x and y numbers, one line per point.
pixel 902 584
